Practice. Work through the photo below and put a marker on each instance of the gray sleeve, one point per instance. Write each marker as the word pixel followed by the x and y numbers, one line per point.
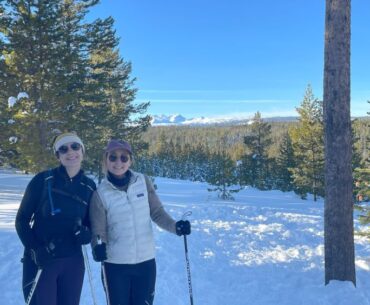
pixel 98 219
pixel 157 211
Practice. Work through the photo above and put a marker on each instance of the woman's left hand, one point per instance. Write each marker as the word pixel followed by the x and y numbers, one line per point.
pixel 183 227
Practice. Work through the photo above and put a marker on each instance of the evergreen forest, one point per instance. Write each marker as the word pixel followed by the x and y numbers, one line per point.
pixel 287 156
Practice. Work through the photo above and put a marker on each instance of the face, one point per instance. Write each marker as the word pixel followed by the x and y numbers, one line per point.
pixel 118 162
pixel 70 155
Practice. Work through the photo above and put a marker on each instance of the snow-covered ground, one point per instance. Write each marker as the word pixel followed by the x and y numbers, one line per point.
pixel 264 248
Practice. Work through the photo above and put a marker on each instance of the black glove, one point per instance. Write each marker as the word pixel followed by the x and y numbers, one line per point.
pixel 183 227
pixel 100 252
pixel 82 235
pixel 43 255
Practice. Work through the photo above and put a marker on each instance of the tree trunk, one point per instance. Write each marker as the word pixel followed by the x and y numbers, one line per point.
pixel 339 243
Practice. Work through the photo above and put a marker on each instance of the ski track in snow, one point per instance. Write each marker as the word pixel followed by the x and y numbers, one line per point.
pixel 263 248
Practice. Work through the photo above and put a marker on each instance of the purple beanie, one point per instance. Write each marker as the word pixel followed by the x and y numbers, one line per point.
pixel 118 144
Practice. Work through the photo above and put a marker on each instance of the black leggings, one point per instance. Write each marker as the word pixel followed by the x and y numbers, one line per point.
pixel 131 284
pixel 60 281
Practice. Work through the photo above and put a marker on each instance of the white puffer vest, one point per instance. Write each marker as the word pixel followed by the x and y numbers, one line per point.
pixel 130 233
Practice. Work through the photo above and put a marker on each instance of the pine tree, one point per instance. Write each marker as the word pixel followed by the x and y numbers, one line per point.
pixel 284 162
pixel 5 145
pixel 362 182
pixel 4 121
pixel 222 175
pixel 183 156
pixel 199 159
pixel 106 110
pixel 74 78
pixel 255 169
pixel 164 155
pixel 308 144
pixel 34 55
pixel 356 146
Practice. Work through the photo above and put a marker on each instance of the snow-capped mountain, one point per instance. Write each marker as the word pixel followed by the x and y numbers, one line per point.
pixel 168 119
pixel 178 119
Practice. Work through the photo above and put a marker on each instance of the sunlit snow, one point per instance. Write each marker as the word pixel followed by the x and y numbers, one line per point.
pixel 264 248
pixel 11 101
pixel 22 95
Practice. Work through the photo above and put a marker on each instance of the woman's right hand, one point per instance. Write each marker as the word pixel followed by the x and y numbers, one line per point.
pixel 100 252
pixel 43 255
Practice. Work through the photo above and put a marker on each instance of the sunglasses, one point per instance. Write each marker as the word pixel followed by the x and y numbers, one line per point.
pixel 64 148
pixel 123 158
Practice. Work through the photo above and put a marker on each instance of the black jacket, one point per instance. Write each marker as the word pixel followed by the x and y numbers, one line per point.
pixel 35 223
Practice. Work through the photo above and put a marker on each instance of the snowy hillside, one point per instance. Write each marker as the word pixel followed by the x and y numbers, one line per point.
pixel 264 248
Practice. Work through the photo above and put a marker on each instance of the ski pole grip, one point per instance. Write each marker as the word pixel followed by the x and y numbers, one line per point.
pixel 186 214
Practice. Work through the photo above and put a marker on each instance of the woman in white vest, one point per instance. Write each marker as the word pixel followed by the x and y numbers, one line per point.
pixel 121 213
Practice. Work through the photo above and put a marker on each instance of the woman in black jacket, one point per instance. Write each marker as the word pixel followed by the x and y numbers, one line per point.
pixel 52 223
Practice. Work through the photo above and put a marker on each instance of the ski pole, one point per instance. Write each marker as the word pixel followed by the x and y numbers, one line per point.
pixel 33 288
pixel 87 266
pixel 187 261
pixel 104 275
pixel 50 247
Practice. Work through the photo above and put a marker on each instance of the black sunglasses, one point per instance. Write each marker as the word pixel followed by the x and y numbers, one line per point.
pixel 64 148
pixel 123 158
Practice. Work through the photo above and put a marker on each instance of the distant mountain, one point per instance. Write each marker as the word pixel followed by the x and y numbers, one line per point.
pixel 177 119
pixel 168 119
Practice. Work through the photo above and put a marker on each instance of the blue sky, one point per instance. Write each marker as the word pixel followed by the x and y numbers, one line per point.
pixel 236 57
